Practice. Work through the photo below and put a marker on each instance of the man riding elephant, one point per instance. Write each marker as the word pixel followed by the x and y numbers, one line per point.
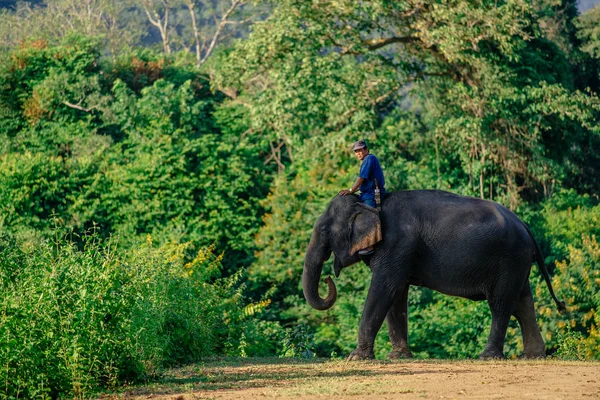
pixel 370 181
pixel 370 177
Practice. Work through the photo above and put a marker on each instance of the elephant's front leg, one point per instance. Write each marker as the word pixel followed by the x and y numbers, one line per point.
pixel 379 300
pixel 397 321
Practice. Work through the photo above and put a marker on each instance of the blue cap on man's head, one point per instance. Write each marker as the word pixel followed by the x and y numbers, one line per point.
pixel 361 144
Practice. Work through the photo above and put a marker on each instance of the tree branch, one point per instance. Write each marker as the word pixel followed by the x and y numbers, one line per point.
pixel 191 5
pixel 157 22
pixel 276 156
pixel 386 95
pixel 78 107
pixel 375 44
pixel 234 5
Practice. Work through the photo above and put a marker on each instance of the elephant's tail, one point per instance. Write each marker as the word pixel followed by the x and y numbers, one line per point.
pixel 540 262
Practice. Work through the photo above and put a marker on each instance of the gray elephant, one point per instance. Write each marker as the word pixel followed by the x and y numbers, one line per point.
pixel 457 245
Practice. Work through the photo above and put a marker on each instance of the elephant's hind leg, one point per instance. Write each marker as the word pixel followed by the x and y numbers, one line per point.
pixel 397 321
pixel 494 347
pixel 532 338
pixel 502 304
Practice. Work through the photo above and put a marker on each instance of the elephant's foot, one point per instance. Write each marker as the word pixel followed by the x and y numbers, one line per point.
pixel 397 354
pixel 532 356
pixel 361 354
pixel 491 355
pixel 534 350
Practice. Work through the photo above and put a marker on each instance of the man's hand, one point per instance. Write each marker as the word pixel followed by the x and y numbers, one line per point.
pixel 356 185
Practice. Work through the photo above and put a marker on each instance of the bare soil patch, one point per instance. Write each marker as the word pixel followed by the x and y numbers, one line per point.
pixel 295 379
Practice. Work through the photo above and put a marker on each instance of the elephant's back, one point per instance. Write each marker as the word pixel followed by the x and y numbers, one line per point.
pixel 429 198
pixel 438 204
pixel 454 240
pixel 442 217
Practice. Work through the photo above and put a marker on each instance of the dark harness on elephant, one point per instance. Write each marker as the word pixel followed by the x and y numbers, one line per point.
pixel 377 196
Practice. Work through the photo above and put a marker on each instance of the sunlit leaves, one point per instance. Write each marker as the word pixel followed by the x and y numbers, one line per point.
pixel 589 31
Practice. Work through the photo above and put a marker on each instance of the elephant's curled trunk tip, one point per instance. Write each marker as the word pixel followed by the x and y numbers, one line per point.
pixel 331 293
pixel 318 303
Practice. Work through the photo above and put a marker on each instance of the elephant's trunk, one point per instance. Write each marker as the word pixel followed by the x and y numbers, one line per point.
pixel 313 266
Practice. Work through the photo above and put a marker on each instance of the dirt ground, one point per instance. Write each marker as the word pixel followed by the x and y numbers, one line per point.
pixel 378 379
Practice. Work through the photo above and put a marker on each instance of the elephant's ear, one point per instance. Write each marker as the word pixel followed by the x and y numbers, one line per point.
pixel 364 228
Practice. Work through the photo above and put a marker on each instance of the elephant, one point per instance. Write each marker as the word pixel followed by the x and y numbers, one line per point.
pixel 457 245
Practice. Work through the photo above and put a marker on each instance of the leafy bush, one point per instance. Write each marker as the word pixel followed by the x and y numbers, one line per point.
pixel 299 342
pixel 569 345
pixel 567 216
pixel 73 321
pixel 577 282
pixel 571 227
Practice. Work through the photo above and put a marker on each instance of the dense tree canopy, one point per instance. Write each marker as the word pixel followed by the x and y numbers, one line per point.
pixel 131 148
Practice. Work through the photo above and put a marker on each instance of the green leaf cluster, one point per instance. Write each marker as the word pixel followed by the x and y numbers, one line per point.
pixel 76 320
pixel 133 147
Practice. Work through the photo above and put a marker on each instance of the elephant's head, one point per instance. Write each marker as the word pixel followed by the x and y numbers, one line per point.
pixel 346 227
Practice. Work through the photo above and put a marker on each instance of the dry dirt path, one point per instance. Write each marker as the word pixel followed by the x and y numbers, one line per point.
pixel 285 379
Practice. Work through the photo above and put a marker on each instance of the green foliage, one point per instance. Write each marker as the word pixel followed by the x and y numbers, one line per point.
pixel 259 338
pixel 571 224
pixel 569 345
pixel 445 327
pixel 39 83
pixel 299 342
pixel 577 281
pixel 73 321
pixel 131 148
pixel 588 25
pixel 122 150
pixel 567 217
pixel 489 104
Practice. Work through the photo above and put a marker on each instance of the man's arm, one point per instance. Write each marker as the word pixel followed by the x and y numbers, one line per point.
pixel 354 187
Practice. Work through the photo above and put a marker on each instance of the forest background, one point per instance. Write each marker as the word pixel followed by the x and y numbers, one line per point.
pixel 162 163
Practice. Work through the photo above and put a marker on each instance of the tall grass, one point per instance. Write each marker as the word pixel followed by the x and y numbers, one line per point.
pixel 73 321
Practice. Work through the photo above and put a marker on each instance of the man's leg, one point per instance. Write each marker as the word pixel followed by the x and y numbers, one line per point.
pixel 371 203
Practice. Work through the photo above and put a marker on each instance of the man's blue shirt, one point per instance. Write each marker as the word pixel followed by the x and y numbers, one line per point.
pixel 369 171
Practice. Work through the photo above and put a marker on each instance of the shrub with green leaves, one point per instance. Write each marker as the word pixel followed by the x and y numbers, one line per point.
pixel 76 320
pixel 577 282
